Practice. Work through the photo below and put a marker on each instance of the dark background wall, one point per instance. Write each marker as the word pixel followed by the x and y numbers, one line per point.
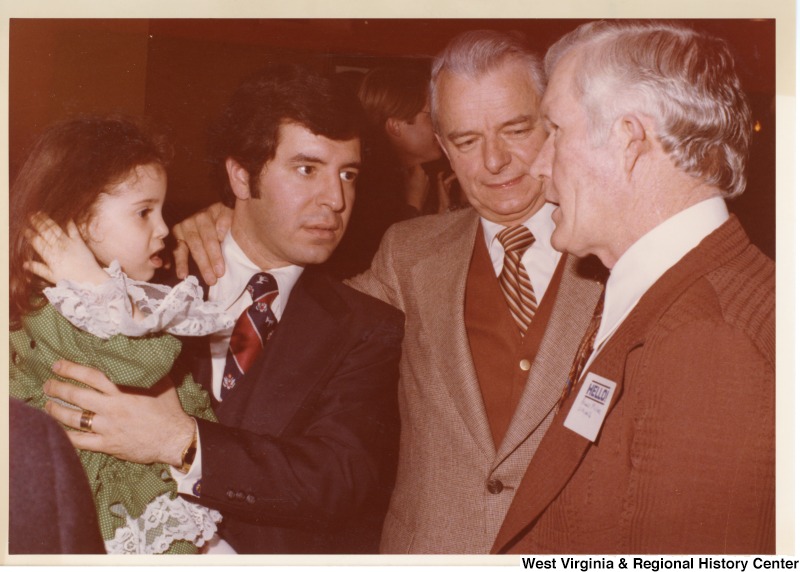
pixel 179 73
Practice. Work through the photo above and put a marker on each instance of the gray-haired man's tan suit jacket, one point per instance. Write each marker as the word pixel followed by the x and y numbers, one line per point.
pixel 441 502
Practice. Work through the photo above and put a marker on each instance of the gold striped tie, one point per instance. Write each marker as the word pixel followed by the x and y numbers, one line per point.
pixel 584 349
pixel 514 280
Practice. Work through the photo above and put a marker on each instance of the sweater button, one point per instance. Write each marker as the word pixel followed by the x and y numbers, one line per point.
pixel 33 344
pixel 495 486
pixel 250 499
pixel 524 365
pixel 15 358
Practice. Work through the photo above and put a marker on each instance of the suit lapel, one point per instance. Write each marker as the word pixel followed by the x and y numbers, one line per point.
pixel 572 309
pixel 305 345
pixel 439 283
pixel 554 462
pixel 562 450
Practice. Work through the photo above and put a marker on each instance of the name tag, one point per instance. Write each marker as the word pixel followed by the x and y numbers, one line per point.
pixel 590 406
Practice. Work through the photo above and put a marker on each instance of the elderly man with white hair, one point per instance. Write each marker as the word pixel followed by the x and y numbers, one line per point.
pixel 665 438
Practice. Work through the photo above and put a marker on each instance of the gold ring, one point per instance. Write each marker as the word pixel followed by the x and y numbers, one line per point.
pixel 87 417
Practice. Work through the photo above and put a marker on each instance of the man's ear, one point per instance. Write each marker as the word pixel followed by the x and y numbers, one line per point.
pixel 392 127
pixel 239 179
pixel 634 139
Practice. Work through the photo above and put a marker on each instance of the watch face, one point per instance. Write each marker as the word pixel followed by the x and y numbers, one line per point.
pixel 188 455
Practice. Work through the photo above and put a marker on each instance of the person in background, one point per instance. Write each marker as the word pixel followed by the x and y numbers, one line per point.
pixel 666 442
pixel 403 174
pixel 398 108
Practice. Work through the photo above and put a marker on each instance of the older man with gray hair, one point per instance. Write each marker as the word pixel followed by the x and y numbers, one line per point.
pixel 493 313
pixel 665 439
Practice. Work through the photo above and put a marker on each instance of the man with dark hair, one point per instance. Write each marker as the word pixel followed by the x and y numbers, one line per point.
pixel 493 313
pixel 304 386
pixel 665 438
pixel 249 128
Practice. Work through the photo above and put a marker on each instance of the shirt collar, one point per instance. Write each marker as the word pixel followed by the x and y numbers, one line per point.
pixel 652 255
pixel 238 271
pixel 540 224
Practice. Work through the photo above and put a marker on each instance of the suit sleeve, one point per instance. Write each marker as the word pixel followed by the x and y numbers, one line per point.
pixel 380 279
pixel 711 407
pixel 327 466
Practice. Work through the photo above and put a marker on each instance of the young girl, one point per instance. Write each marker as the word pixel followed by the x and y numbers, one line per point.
pixel 91 194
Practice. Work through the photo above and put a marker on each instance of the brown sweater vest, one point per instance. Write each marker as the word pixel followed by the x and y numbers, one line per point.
pixel 501 356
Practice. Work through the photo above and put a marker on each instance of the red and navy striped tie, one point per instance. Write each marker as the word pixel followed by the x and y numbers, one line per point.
pixel 252 330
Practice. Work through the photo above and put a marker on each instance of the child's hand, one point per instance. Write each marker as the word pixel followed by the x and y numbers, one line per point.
pixel 64 254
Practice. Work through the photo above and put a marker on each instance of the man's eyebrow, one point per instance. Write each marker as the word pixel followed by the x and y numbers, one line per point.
pixel 453 135
pixel 513 121
pixel 517 120
pixel 303 158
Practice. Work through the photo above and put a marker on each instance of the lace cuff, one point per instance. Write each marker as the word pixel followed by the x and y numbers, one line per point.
pixel 105 310
pixel 164 522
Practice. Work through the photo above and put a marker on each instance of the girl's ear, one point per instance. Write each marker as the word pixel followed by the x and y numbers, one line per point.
pixel 85 229
pixel 88 230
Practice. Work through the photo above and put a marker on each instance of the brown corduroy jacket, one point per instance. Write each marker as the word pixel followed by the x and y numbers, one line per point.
pixel 685 460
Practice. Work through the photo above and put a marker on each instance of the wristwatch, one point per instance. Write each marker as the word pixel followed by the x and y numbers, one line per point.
pixel 189 453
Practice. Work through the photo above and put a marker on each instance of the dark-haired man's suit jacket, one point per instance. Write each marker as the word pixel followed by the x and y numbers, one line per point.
pixel 303 456
pixel 685 461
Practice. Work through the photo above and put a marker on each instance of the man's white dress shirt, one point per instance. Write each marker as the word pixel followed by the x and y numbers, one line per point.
pixel 540 259
pixel 650 257
pixel 231 293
